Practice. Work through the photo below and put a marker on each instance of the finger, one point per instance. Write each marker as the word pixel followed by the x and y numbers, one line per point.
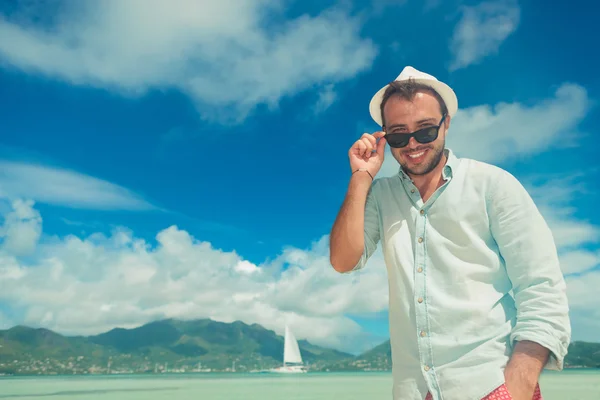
pixel 369 145
pixel 378 134
pixel 370 138
pixel 360 148
pixel 381 146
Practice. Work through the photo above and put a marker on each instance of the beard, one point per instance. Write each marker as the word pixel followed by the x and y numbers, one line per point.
pixel 434 157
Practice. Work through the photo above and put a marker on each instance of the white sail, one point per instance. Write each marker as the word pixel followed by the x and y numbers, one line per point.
pixel 292 359
pixel 291 351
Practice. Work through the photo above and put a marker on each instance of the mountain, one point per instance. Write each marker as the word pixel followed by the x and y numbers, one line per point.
pixel 207 338
pixel 583 354
pixel 378 358
pixel 384 350
pixel 170 344
pixel 199 345
pixel 580 355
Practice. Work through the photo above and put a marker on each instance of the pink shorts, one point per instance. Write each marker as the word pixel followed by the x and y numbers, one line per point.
pixel 501 393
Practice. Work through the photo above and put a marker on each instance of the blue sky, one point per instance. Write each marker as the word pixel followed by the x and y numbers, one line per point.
pixel 188 160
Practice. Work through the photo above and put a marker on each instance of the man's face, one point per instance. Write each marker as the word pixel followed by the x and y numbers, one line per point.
pixel 403 116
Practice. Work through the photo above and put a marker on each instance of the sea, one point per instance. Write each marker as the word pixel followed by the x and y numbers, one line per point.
pixel 571 384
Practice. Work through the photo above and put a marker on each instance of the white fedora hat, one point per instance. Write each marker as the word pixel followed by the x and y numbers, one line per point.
pixel 441 88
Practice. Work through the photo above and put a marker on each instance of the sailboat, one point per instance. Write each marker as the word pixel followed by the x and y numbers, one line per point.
pixel 292 359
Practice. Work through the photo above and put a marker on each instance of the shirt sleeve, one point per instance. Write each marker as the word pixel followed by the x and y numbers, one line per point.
pixel 527 246
pixel 371 228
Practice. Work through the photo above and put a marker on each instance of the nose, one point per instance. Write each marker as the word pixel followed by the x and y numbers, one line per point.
pixel 412 144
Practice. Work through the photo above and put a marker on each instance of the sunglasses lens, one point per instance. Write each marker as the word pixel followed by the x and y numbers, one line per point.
pixel 397 140
pixel 427 135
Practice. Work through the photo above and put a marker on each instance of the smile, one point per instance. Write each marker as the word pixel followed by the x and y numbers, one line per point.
pixel 416 155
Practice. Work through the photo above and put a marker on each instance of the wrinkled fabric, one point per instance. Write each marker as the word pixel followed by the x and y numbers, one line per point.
pixel 471 271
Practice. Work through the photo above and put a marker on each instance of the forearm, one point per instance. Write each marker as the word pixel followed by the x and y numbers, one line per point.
pixel 524 368
pixel 347 235
pixel 527 246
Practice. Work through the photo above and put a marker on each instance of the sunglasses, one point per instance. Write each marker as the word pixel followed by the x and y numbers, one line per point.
pixel 425 135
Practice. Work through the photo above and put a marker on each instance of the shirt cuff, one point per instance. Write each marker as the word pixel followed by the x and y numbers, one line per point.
pixel 558 348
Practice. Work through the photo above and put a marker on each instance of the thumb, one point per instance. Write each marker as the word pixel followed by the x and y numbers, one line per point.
pixel 381 146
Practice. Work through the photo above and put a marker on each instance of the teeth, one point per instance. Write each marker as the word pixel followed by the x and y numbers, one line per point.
pixel 416 155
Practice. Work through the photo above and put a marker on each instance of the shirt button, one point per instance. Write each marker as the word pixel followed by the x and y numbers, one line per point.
pixel 420 240
pixel 419 269
pixel 412 190
pixel 426 368
pixel 420 299
pixel 422 212
pixel 423 334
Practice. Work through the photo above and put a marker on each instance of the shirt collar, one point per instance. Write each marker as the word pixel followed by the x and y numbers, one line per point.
pixel 449 168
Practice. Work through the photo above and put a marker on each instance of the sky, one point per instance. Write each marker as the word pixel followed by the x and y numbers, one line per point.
pixel 187 160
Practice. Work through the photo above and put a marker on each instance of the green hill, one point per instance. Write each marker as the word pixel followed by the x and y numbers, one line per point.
pixel 583 354
pixel 172 345
pixel 580 355
pixel 199 345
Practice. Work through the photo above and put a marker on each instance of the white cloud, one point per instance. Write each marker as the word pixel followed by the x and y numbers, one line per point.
pixel 89 285
pixel 5 322
pixel 481 31
pixel 584 298
pixel 21 229
pixel 326 98
pixel 508 131
pixel 513 130
pixel 228 56
pixel 555 196
pixel 570 233
pixel 578 242
pixel 86 285
pixel 58 186
pixel 578 261
pixel 246 267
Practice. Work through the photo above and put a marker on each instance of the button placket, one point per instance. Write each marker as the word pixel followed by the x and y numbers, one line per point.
pixel 420 290
pixel 421 293
pixel 422 328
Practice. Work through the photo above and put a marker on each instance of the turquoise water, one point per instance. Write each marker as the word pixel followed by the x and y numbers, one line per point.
pixel 566 385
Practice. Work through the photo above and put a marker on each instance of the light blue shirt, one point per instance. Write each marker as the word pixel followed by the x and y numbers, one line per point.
pixel 471 271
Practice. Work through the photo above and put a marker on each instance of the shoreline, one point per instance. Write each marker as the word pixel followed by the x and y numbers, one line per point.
pixel 240 374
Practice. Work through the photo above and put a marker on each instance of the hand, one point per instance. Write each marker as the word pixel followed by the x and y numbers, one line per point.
pixel 519 387
pixel 522 373
pixel 361 153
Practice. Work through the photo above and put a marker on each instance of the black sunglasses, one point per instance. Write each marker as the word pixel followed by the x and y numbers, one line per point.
pixel 425 135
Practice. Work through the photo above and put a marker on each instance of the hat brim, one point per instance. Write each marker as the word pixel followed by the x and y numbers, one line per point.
pixel 444 91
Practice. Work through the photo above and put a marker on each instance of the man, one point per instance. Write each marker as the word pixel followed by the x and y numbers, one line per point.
pixel 458 236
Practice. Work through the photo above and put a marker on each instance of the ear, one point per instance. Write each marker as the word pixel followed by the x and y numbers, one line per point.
pixel 447 122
